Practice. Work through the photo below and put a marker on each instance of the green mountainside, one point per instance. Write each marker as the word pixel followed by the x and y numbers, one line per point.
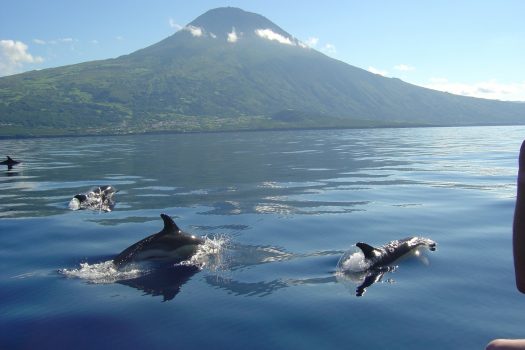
pixel 198 80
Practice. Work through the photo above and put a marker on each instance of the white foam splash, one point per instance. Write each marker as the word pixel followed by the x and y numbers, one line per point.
pixel 352 261
pixel 209 255
pixel 101 273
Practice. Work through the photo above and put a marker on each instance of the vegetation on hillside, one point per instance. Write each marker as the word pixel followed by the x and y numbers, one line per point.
pixel 186 83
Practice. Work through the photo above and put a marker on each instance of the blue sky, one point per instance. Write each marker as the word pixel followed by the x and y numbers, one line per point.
pixel 468 47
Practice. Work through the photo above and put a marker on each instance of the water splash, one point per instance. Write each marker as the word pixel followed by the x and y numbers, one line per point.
pixel 210 254
pixel 352 261
pixel 102 273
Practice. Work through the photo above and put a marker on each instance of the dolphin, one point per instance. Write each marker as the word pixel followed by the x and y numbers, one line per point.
pixel 97 198
pixel 10 162
pixel 170 244
pixel 377 258
pixel 377 261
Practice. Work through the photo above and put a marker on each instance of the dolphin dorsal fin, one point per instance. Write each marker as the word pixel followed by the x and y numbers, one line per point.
pixel 368 250
pixel 169 225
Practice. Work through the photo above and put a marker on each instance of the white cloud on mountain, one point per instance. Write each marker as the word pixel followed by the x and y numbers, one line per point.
pixel 232 36
pixel 329 49
pixel 312 41
pixel 271 35
pixel 195 31
pixel 377 71
pixel 13 55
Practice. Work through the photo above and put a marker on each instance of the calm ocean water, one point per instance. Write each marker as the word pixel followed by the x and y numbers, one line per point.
pixel 278 209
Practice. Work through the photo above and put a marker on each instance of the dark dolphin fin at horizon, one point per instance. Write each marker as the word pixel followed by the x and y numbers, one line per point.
pixel 10 162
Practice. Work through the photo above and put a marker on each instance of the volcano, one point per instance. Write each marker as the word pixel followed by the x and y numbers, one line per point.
pixel 228 70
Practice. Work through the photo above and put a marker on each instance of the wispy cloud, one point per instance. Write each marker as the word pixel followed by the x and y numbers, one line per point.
pixel 174 24
pixel 329 49
pixel 377 71
pixel 13 55
pixel 312 42
pixel 55 41
pixel 232 36
pixel 273 36
pixel 490 89
pixel 404 67
pixel 315 43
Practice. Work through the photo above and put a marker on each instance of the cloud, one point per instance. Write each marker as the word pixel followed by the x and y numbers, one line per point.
pixel 232 36
pixel 13 55
pixel 271 35
pixel 329 48
pixel 404 67
pixel 55 41
pixel 312 41
pixel 303 45
pixel 377 71
pixel 174 25
pixel 490 89
pixel 195 31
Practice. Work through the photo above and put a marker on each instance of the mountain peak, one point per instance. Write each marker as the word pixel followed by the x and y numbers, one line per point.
pixel 233 23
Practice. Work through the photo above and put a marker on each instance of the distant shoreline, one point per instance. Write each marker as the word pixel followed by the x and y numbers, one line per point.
pixel 284 129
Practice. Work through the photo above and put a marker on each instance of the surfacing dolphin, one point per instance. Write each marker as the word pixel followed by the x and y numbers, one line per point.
pixel 169 245
pixel 390 252
pixel 378 261
pixel 97 198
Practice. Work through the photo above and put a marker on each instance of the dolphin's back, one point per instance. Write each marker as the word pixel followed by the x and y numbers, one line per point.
pixel 126 256
pixel 169 242
pixel 392 251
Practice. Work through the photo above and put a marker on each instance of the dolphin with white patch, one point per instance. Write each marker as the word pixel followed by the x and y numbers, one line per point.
pixel 97 198
pixel 169 245
pixel 390 252
pixel 378 261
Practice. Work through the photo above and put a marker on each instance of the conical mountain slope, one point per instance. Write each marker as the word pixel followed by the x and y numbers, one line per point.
pixel 228 69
